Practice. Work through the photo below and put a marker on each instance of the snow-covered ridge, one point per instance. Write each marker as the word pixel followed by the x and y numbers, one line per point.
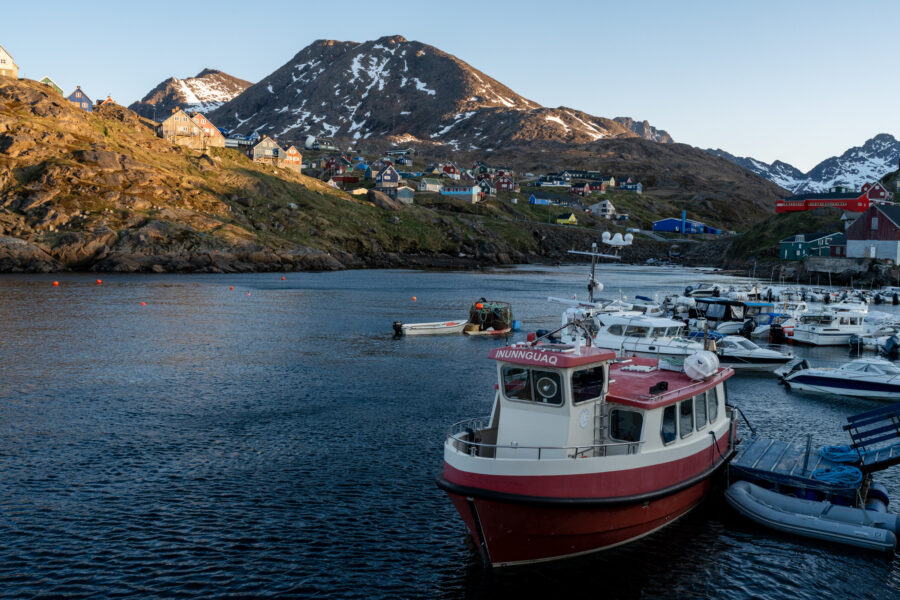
pixel 855 167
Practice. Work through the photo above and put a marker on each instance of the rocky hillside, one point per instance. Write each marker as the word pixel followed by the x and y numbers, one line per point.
pixel 395 87
pixel 205 92
pixel 855 167
pixel 684 177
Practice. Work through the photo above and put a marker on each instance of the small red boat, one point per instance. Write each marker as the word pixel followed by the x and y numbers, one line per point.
pixel 584 451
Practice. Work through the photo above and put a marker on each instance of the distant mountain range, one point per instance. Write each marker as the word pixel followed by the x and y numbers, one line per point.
pixel 205 92
pixel 411 92
pixel 858 165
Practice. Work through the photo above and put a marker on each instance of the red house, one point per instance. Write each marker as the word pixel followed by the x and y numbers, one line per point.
pixel 450 170
pixel 876 233
pixel 580 189
pixel 505 183
pixel 836 197
pixel 334 166
pixel 597 187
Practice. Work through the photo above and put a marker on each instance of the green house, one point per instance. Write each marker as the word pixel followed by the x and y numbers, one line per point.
pixel 51 84
pixel 801 245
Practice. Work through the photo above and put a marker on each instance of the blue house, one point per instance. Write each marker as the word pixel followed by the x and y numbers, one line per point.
pixel 542 201
pixel 674 225
pixel 80 100
pixel 632 187
pixel 387 177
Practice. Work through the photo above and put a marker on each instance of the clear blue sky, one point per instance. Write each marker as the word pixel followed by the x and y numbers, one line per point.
pixel 796 81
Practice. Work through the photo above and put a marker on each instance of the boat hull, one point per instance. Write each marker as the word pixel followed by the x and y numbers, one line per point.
pixel 437 328
pixel 509 533
pixel 843 387
pixel 814 338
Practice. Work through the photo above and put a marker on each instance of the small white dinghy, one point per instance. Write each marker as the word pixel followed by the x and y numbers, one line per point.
pixel 821 520
pixel 435 328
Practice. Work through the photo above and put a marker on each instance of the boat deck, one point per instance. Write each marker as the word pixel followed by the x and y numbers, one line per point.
pixel 783 464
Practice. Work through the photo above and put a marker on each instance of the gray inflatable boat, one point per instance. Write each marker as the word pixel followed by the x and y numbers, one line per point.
pixel 822 520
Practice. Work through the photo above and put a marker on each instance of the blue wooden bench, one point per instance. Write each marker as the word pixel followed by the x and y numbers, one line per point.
pixel 869 432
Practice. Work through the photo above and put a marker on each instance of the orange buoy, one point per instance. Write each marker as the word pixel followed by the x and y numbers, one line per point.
pixel 479 305
pixel 282 278
pixel 143 304
pixel 99 281
pixel 414 298
pixel 55 284
pixel 230 287
pixel 248 293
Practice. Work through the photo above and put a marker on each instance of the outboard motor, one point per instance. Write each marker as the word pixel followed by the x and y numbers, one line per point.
pixel 878 299
pixel 769 295
pixel 540 333
pixel 776 334
pixel 747 328
pixel 827 298
pixel 398 329
pixel 688 290
pixel 892 347
pixel 895 299
pixel 856 344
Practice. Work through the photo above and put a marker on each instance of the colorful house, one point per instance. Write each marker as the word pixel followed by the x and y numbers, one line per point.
pixel 876 233
pixel 676 225
pixel 539 200
pixel 566 219
pixel 80 99
pixel 293 160
pixel 450 170
pixel 387 178
pixel 211 135
pixel 597 187
pixel 334 165
pixel 837 197
pixel 50 84
pixel 580 189
pixel 267 150
pixel 429 185
pixel 632 187
pixel 469 193
pixel 8 67
pixel 505 183
pixel 180 129
pixel 405 194
pixel 801 245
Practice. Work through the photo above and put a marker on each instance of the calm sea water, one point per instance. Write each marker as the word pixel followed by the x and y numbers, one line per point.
pixel 274 440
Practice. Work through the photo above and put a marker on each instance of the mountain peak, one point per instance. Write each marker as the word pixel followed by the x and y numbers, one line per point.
pixel 205 92
pixel 392 87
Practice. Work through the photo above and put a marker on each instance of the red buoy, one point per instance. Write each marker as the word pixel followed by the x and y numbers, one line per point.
pixel 55 284
pixel 282 278
pixel 230 287
pixel 414 298
pixel 248 293
pixel 99 281
pixel 143 304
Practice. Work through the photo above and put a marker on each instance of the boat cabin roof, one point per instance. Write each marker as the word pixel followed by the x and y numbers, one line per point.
pixel 561 356
pixel 733 302
pixel 630 384
pixel 875 366
pixel 638 320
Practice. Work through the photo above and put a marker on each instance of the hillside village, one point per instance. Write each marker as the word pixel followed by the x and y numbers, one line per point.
pixel 570 197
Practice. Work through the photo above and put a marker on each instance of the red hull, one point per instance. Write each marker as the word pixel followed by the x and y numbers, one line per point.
pixel 510 533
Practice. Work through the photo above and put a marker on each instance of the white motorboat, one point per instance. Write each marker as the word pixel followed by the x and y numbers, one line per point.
pixel 435 328
pixel 635 334
pixel 726 316
pixel 829 327
pixel 739 353
pixel 873 378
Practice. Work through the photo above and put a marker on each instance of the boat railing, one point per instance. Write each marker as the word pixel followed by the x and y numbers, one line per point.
pixel 462 436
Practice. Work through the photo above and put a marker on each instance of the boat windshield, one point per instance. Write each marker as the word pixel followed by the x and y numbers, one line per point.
pixel 587 384
pixel 747 345
pixel 637 331
pixel 816 319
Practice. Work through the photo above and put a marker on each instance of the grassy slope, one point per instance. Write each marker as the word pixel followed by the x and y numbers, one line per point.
pixel 762 241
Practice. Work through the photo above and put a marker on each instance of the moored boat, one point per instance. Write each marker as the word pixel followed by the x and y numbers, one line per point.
pixel 873 378
pixel 583 452
pixel 739 353
pixel 435 328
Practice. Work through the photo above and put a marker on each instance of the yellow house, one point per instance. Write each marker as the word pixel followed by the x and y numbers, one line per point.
pixel 180 129
pixel 567 219
pixel 8 67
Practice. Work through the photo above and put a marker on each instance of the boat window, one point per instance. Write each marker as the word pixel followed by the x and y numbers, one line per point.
pixel 715 311
pixel 747 344
pixel 634 331
pixel 737 313
pixel 516 383
pixel 542 387
pixel 752 311
pixel 686 417
pixel 625 425
pixel 712 404
pixel 616 329
pixel 700 407
pixel 669 428
pixel 587 384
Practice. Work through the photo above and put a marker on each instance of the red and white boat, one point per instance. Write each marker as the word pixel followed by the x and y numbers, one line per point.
pixel 584 451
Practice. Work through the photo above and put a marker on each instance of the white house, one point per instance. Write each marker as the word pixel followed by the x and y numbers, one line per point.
pixel 8 67
pixel 603 209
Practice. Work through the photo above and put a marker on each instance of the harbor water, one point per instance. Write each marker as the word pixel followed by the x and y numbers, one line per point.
pixel 273 439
